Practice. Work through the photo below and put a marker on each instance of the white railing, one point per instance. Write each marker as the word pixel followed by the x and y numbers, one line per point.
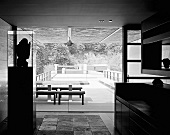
pixel 113 75
pixel 44 76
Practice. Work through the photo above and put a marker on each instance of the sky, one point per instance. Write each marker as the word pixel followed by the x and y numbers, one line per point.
pixel 78 34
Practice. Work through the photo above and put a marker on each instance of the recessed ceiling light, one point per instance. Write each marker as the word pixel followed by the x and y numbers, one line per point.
pixel 101 20
pixel 110 20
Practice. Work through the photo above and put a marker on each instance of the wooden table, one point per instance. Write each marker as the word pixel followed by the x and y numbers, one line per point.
pixel 50 88
pixel 69 83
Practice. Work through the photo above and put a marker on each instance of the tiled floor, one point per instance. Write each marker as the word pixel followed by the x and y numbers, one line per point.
pixel 73 125
pixel 107 118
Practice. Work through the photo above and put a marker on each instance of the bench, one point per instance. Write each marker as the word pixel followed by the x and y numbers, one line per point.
pixel 47 93
pixel 60 88
pixel 81 93
pixel 73 88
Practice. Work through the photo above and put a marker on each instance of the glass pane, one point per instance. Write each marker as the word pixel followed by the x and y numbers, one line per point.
pixel 134 69
pixel 23 57
pixel 134 52
pixel 4 27
pixel 94 34
pixel 134 36
pixel 47 35
pixel 165 51
pixel 165 55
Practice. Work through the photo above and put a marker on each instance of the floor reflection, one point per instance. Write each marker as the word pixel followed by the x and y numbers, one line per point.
pixel 3 100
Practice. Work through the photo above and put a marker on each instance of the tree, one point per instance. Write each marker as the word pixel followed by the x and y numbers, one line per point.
pixel 73 48
pixel 61 54
pixel 41 59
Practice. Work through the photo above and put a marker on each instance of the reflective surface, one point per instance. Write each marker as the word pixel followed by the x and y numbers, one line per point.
pixel 4 27
pixel 134 36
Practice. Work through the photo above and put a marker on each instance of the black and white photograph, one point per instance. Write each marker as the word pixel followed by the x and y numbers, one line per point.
pixel 84 67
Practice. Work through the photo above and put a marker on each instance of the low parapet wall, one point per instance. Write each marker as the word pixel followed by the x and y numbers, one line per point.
pixel 73 71
pixel 96 68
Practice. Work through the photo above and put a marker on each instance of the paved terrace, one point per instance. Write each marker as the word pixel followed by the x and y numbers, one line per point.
pixel 98 96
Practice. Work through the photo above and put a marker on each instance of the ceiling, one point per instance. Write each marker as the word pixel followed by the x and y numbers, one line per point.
pixel 58 13
pixel 90 20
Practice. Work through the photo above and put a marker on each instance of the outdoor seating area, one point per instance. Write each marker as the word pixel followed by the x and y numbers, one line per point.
pixel 40 91
pixel 60 93
pixel 56 89
pixel 97 99
pixel 93 96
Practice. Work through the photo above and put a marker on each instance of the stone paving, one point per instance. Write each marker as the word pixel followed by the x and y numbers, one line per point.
pixel 73 125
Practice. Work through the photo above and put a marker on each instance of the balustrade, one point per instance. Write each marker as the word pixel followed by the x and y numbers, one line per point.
pixel 113 75
pixel 44 76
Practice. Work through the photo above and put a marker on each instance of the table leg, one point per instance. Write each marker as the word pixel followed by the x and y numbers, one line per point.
pixel 70 89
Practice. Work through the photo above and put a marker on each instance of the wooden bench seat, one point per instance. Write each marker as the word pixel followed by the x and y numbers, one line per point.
pixel 47 93
pixel 73 88
pixel 61 88
pixel 56 88
pixel 81 93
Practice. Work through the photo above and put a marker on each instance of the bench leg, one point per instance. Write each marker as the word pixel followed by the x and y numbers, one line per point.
pixel 54 99
pixel 60 90
pixel 59 99
pixel 82 99
pixel 56 94
pixel 80 95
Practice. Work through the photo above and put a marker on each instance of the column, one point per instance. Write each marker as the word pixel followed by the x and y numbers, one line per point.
pixel 56 66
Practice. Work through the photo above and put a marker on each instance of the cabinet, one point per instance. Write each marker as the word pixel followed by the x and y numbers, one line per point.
pixel 141 109
pixel 118 115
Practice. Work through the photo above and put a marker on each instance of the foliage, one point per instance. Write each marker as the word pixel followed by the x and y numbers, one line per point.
pixel 89 53
pixel 41 59
pixel 73 49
